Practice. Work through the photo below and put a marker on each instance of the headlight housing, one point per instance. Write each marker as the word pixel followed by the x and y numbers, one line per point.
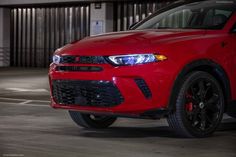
pixel 134 59
pixel 56 59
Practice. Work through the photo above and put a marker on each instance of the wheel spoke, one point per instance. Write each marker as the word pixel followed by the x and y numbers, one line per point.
pixel 195 98
pixel 213 109
pixel 214 99
pixel 209 119
pixel 195 117
pixel 203 120
pixel 193 91
pixel 201 89
pixel 207 90
pixel 212 104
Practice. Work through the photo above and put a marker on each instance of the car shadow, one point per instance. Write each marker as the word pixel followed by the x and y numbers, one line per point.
pixel 141 132
pixel 227 126
pixel 131 131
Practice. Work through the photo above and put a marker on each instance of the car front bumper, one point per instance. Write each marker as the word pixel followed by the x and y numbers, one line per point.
pixel 142 88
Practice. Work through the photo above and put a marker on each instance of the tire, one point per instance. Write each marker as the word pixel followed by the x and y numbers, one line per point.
pixel 91 121
pixel 199 106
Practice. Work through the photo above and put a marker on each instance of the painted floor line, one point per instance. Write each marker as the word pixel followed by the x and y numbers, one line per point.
pixel 3 98
pixel 27 90
pixel 20 104
pixel 26 102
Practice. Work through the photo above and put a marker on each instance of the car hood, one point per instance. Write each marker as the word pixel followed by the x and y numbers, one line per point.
pixel 128 42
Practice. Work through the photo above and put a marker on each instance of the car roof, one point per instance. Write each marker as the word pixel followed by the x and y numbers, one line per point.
pixel 182 2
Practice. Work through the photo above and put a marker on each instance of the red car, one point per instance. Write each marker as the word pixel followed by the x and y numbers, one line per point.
pixel 178 63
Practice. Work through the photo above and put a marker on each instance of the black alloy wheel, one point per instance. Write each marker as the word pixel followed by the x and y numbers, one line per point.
pixel 199 106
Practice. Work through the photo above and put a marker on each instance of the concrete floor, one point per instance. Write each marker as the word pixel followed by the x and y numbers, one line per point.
pixel 30 128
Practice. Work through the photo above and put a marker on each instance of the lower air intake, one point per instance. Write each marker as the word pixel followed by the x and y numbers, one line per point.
pixel 86 93
pixel 143 87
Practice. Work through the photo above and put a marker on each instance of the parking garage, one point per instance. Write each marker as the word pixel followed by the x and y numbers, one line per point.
pixel 30 32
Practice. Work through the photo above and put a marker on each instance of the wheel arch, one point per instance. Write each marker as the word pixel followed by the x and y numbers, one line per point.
pixel 205 65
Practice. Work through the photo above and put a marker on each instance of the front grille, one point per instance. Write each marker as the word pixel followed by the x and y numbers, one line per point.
pixel 143 87
pixel 86 93
pixel 79 68
pixel 82 60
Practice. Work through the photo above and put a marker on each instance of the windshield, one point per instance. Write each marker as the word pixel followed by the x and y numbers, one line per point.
pixel 197 15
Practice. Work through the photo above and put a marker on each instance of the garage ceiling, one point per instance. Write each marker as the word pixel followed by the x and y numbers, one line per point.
pixel 33 2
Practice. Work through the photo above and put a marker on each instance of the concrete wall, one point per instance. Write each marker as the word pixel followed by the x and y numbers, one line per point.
pixel 4 36
pixel 101 20
pixel 109 17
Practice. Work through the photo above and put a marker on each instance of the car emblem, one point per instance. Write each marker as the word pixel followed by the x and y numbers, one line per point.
pixel 77 59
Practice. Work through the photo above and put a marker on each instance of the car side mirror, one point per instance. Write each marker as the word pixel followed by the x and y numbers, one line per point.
pixel 131 26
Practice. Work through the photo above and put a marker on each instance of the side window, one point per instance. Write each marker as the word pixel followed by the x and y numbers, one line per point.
pixel 177 19
pixel 216 17
pixel 223 12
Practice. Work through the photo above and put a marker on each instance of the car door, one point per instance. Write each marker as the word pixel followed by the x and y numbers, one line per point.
pixel 231 108
pixel 233 48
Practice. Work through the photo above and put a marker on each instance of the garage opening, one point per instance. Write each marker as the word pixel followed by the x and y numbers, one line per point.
pixel 37 32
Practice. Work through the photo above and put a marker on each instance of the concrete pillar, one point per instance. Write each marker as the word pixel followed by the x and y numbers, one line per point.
pixel 4 37
pixel 101 18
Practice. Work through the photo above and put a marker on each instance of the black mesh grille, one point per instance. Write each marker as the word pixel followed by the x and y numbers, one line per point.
pixel 86 93
pixel 143 87
pixel 83 59
pixel 79 68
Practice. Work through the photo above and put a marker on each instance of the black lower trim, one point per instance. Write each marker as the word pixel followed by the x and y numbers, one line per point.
pixel 79 68
pixel 150 114
pixel 156 113
pixel 83 60
pixel 231 108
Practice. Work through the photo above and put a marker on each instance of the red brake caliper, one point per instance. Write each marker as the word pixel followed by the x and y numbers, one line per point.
pixel 189 105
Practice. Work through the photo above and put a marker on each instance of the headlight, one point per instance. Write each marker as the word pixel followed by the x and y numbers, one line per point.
pixel 56 59
pixel 135 59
